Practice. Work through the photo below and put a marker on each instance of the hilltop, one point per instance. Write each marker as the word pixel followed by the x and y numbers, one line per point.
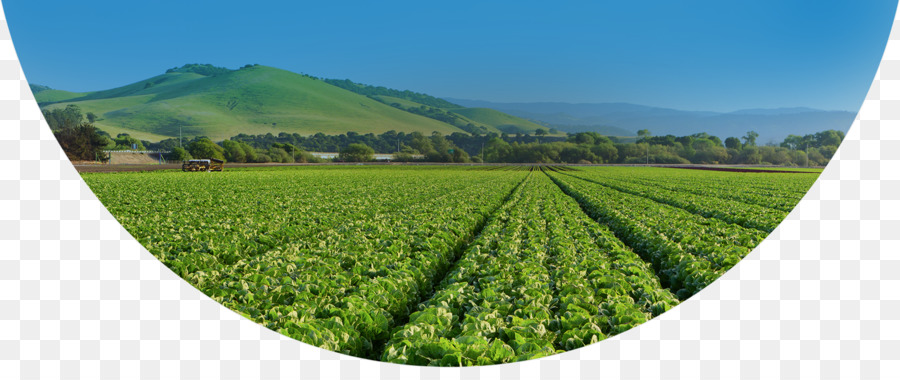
pixel 205 100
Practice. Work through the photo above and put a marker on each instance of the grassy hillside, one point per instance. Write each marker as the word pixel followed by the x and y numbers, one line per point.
pixel 367 90
pixel 44 94
pixel 436 113
pixel 251 100
pixel 496 119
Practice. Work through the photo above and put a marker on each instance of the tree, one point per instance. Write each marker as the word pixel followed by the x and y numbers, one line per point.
pixel 750 138
pixel 233 151
pixel 403 157
pixel 750 155
pixel 357 153
pixel 420 143
pixel 59 118
pixel 829 137
pixel 643 133
pixel 497 150
pixel 276 154
pixel 793 142
pixel 205 148
pixel 92 117
pixel 124 141
pixel 178 154
pixel 733 143
pixel 539 133
pixel 582 138
pixel 81 142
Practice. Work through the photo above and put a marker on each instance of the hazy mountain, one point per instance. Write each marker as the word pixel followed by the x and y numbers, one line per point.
pixel 771 124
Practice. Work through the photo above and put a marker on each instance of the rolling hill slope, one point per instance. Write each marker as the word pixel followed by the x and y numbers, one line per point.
pixel 48 95
pixel 488 120
pixel 499 120
pixel 222 104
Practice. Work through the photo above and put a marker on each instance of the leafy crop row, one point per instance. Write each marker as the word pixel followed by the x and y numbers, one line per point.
pixel 779 191
pixel 540 279
pixel 747 215
pixel 687 250
pixel 445 265
pixel 330 257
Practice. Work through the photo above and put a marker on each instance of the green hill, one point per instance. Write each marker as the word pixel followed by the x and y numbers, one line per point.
pixel 488 119
pixel 44 94
pixel 437 113
pixel 221 103
pixel 499 120
pixel 367 90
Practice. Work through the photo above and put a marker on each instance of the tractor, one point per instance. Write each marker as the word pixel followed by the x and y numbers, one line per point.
pixel 204 165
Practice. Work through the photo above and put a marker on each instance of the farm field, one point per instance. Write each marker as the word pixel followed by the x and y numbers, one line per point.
pixel 450 266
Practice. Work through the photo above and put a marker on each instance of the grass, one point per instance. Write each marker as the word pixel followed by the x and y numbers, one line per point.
pixel 256 100
pixel 49 96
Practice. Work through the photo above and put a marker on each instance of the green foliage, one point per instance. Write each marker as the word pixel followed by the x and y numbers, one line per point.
pixel 202 69
pixel 81 142
pixel 750 138
pixel 474 267
pixel 403 157
pixel 357 153
pixel 294 255
pixel 237 151
pixel 205 149
pixel 178 154
pixel 690 241
pixel 368 90
pixel 36 88
pixel 733 143
pixel 281 155
pixel 497 305
pixel 64 118
pixel 124 141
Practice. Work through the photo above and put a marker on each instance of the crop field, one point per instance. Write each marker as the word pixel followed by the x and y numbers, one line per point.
pixel 450 266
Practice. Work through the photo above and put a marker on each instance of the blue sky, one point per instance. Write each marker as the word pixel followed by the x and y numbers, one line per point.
pixel 694 54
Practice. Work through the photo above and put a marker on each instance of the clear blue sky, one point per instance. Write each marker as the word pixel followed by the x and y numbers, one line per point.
pixel 693 54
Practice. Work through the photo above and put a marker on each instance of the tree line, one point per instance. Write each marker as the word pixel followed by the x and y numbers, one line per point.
pixel 82 141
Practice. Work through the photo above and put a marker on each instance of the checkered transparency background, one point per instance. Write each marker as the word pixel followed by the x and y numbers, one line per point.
pixel 80 298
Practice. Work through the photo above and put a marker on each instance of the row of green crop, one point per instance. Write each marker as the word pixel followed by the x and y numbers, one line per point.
pixel 731 211
pixel 688 251
pixel 447 266
pixel 779 191
pixel 344 255
pixel 194 222
pixel 540 279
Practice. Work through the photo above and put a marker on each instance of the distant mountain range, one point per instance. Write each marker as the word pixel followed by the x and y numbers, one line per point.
pixel 220 103
pixel 626 119
pixel 205 100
